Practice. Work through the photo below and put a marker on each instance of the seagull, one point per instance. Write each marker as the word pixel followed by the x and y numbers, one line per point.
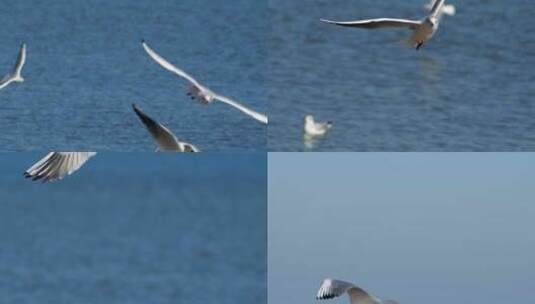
pixel 422 30
pixel 57 165
pixel 333 288
pixel 448 9
pixel 313 128
pixel 15 75
pixel 165 139
pixel 199 91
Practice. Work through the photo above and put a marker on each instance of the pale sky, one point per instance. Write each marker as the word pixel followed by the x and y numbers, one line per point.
pixel 418 228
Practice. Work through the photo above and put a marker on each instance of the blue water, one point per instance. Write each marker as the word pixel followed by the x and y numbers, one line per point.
pixel 135 228
pixel 417 228
pixel 86 66
pixel 470 89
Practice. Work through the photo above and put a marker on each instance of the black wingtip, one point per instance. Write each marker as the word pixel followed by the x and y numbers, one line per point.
pixel 137 109
pixel 142 41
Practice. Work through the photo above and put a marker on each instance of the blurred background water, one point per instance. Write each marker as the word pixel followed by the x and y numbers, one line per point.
pixel 418 228
pixel 135 228
pixel 469 89
pixel 86 66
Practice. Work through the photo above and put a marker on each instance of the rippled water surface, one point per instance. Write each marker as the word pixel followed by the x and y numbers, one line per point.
pixel 135 228
pixel 470 89
pixel 86 67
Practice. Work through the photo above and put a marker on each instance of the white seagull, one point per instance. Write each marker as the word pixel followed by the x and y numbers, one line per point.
pixel 313 128
pixel 165 139
pixel 15 75
pixel 422 30
pixel 57 165
pixel 199 91
pixel 448 9
pixel 333 288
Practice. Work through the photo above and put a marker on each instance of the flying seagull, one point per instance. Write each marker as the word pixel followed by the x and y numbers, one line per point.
pixel 15 75
pixel 422 30
pixel 333 288
pixel 165 139
pixel 199 91
pixel 448 9
pixel 313 128
pixel 57 165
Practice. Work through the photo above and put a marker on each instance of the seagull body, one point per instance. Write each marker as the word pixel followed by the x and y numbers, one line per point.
pixel 313 128
pixel 57 165
pixel 422 30
pixel 16 74
pixel 165 139
pixel 200 92
pixel 330 289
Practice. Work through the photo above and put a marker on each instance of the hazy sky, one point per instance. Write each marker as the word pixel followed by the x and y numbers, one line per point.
pixel 418 228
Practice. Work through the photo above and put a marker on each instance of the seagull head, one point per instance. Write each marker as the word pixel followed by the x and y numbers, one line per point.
pixel 433 21
pixel 309 119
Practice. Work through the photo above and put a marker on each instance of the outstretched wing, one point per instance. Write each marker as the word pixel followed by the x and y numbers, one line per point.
pixel 190 148
pixel 21 60
pixel 164 138
pixel 168 66
pixel 436 7
pixel 334 288
pixel 57 165
pixel 258 116
pixel 376 23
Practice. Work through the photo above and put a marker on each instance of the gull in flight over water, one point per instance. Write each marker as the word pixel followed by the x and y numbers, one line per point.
pixel 15 75
pixel 448 9
pixel 164 138
pixel 333 288
pixel 422 30
pixel 57 165
pixel 313 128
pixel 198 91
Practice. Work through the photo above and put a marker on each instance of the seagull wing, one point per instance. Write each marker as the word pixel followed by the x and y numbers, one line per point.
pixel 377 23
pixel 57 165
pixel 436 7
pixel 258 116
pixel 190 148
pixel 448 9
pixel 334 288
pixel 5 81
pixel 21 60
pixel 168 66
pixel 165 139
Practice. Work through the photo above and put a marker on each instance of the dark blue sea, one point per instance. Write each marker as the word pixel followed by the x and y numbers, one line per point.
pixel 470 89
pixel 85 67
pixel 135 228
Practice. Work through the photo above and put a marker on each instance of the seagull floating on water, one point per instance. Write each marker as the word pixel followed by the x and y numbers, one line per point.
pixel 313 128
pixel 57 165
pixel 422 30
pixel 165 139
pixel 199 91
pixel 15 75
pixel 334 288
